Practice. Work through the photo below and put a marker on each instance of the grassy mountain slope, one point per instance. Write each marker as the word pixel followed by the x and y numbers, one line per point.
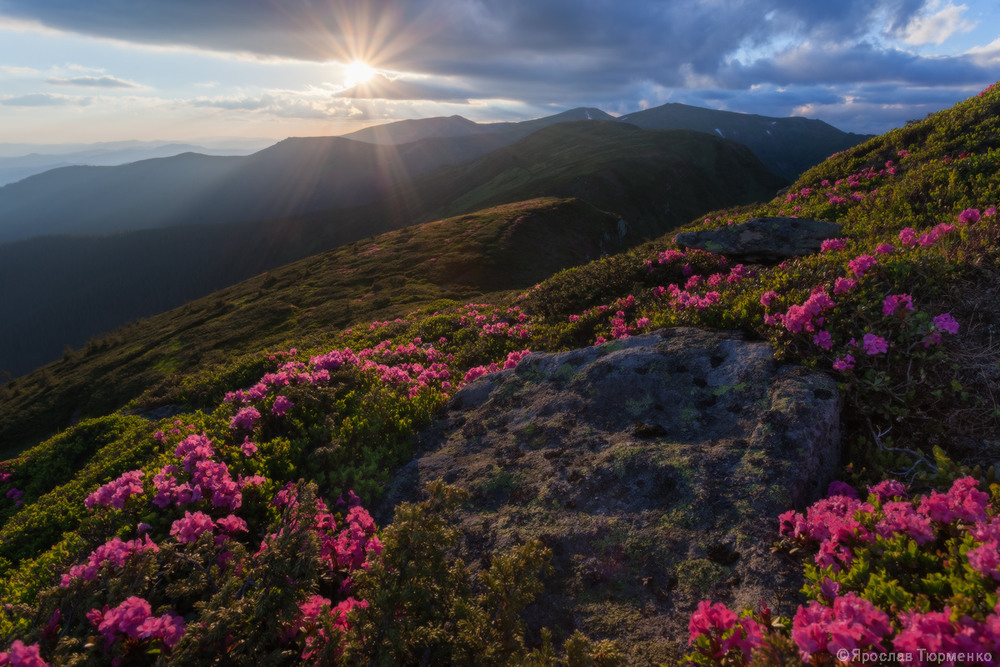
pixel 294 176
pixel 507 247
pixel 655 180
pixel 788 146
pixel 64 290
pixel 913 380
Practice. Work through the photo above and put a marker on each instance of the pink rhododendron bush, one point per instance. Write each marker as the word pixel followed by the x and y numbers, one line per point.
pixel 894 579
pixel 208 551
pixel 206 544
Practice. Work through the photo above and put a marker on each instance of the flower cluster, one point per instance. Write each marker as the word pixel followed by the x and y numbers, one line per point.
pixel 716 631
pixel 847 530
pixel 133 618
pixel 207 479
pixel 310 627
pixel 116 492
pixel 114 552
pixel 851 623
pixel 22 655
pixel 513 358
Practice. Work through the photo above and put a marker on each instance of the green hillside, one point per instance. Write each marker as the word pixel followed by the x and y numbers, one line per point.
pixel 261 400
pixel 655 179
pixel 507 247
pixel 71 288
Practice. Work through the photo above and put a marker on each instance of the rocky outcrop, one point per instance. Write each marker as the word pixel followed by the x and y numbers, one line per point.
pixel 654 467
pixel 763 240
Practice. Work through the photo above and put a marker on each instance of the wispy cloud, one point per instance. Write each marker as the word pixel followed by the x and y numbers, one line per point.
pixel 93 82
pixel 19 71
pixel 44 100
pixel 936 25
pixel 311 105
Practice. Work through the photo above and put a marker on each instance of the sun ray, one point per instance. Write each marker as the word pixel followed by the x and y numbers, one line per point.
pixel 358 72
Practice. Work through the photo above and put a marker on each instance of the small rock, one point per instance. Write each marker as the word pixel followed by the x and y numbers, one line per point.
pixel 763 240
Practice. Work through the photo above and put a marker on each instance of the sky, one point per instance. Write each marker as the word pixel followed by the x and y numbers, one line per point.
pixel 185 70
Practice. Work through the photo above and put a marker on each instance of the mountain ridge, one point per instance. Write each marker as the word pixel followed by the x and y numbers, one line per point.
pixel 662 189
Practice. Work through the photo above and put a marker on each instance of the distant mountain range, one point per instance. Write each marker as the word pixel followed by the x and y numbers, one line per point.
pixel 84 249
pixel 64 289
pixel 303 175
pixel 19 161
pixel 788 146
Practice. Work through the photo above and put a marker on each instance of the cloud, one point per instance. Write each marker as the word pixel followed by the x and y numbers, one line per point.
pixel 557 53
pixel 310 105
pixel 936 27
pixel 19 71
pixel 44 100
pixel 808 64
pixel 986 56
pixel 94 82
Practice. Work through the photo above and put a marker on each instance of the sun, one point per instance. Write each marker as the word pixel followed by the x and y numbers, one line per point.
pixel 358 72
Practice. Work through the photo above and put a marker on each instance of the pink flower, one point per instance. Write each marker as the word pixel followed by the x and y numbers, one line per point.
pixel 709 619
pixel 901 517
pixel 852 623
pixel 115 492
pixel 281 406
pixel 968 216
pixel 767 297
pixel 191 527
pixel 908 237
pixel 945 322
pixel 844 285
pixel 23 655
pixel 248 447
pixel 809 628
pixel 888 489
pixel 832 245
pixel 861 264
pixel 932 632
pixel 245 419
pixel 985 559
pixel 844 363
pixel 963 501
pixel 897 305
pixel 884 249
pixel 875 344
pixel 232 524
pixel 823 340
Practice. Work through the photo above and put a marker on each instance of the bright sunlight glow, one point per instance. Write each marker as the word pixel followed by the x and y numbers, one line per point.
pixel 357 72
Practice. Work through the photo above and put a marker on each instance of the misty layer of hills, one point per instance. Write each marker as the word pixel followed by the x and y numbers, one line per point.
pixel 19 161
pixel 84 250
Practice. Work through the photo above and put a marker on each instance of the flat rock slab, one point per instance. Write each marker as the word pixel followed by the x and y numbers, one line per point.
pixel 655 468
pixel 763 240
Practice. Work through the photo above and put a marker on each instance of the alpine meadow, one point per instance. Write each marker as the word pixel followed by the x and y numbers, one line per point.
pixel 678 386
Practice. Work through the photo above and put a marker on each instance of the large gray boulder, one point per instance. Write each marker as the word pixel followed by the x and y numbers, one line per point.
pixel 655 467
pixel 763 240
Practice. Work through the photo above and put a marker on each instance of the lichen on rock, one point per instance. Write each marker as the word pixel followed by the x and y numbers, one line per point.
pixel 652 466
